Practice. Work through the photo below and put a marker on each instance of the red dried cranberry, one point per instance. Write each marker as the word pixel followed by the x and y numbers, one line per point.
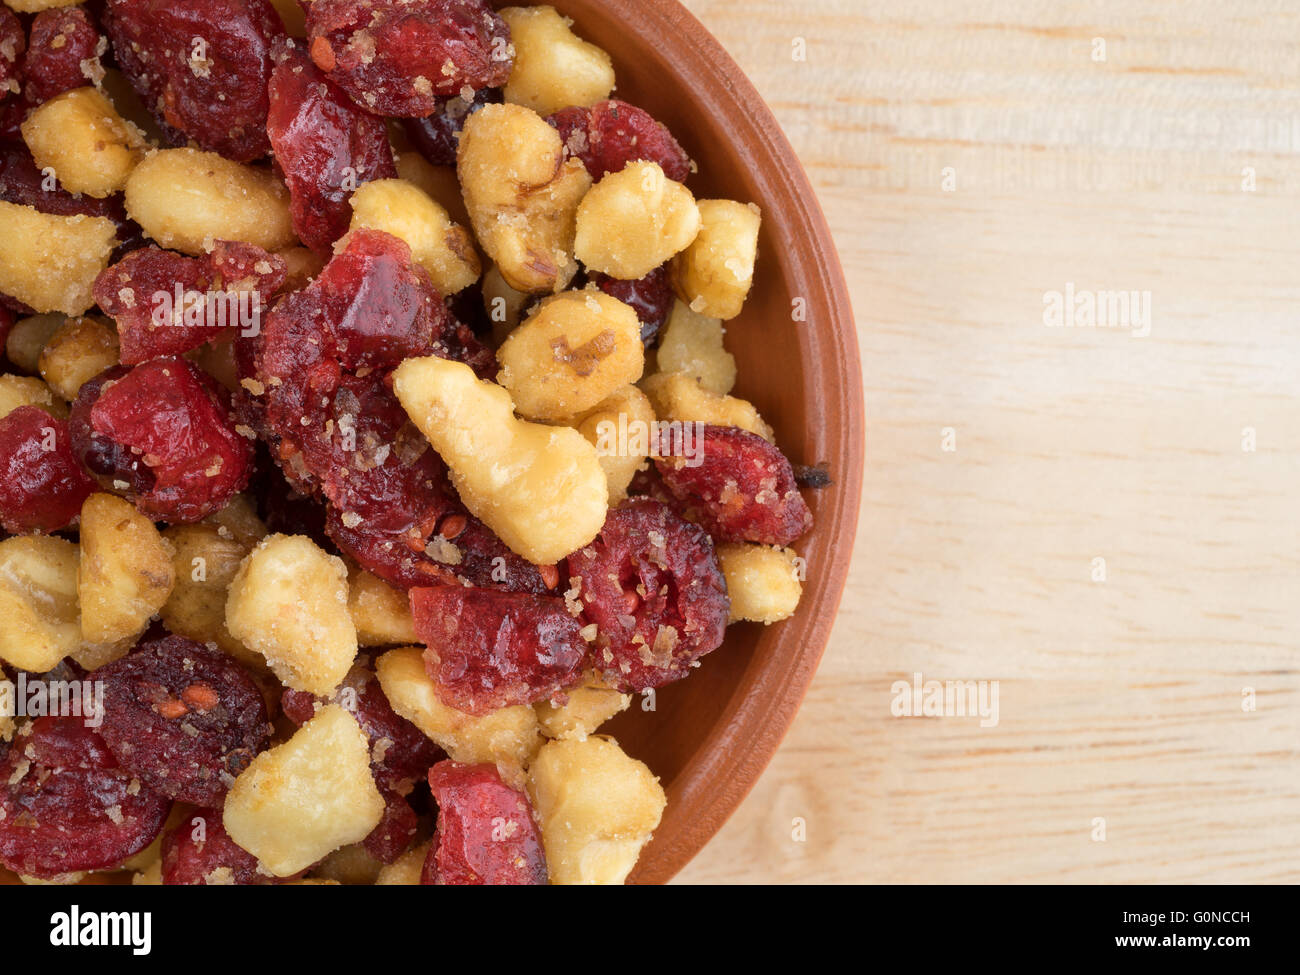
pixel 325 146
pixel 12 44
pixel 400 753
pixel 437 136
pixel 165 303
pixel 202 67
pixel 652 297
pixel 488 649
pixel 42 486
pixel 397 57
pixel 199 851
pixel 742 488
pixel 486 833
pixel 610 134
pixel 184 717
pixel 66 804
pixel 63 53
pixel 395 832
pixel 651 584
pixel 161 434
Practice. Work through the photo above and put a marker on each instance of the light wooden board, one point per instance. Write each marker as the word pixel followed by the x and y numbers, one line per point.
pixel 1119 700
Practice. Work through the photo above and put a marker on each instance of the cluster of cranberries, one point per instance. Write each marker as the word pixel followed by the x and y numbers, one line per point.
pixel 639 605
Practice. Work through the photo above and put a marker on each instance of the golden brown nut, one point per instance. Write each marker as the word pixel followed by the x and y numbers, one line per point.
pixel 205 560
pixel 522 195
pixel 678 396
pixel 441 247
pixel 715 273
pixel 575 350
pixel 763 581
pixel 553 67
pixel 382 614
pixel 16 391
pixel 633 221
pixel 620 428
pixel 81 349
pixel 80 136
pixel 692 343
pixel 587 708
pixel 125 573
pixel 50 262
pixel 38 601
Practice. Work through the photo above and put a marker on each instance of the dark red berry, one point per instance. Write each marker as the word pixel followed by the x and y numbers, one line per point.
pixel 42 486
pixel 652 585
pixel 610 134
pixel 199 851
pixel 652 298
pixel 63 53
pixel 486 833
pixel 67 805
pixel 437 136
pixel 395 832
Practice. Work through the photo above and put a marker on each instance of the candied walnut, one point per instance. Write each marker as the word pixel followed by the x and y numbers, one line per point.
pixel 325 146
pixel 610 134
pixel 692 343
pixel 651 297
pixel 553 66
pixel 596 807
pixel 78 351
pixel 436 136
pixel 439 246
pixel 199 852
pixel 587 707
pixel 679 397
pixel 67 805
pixel 351 866
pixel 50 262
pixel 507 737
pixel 38 601
pixel 576 349
pixel 306 798
pixel 741 488
pixel 184 199
pixel 63 53
pixel 166 303
pixel 400 753
pixel 289 602
pixel 541 489
pixel 41 484
pixel 125 574
pixel 184 717
pixel 634 221
pixel 16 391
pixel 161 434
pixel 487 650
pixel 79 136
pixel 764 582
pixel 522 195
pixel 382 613
pixel 201 66
pixel 651 584
pixel 485 834
pixel 620 427
pixel 397 57
pixel 406 870
pixel 715 273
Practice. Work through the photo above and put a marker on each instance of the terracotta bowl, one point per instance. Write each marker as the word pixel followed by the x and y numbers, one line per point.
pixel 711 735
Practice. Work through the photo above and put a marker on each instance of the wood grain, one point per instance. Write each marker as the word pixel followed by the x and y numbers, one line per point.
pixel 972 157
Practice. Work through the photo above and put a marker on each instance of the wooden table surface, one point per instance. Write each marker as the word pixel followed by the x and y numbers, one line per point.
pixel 975 157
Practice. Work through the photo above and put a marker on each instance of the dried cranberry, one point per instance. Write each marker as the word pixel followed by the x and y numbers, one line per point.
pixel 397 57
pixel 165 303
pixel 202 67
pixel 184 717
pixel 651 584
pixel 610 134
pixel 437 136
pixel 42 486
pixel 742 488
pixel 63 53
pixel 161 434
pixel 400 753
pixel 287 512
pixel 395 832
pixel 67 805
pixel 486 833
pixel 325 146
pixel 652 297
pixel 199 851
pixel 487 649
pixel 12 44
